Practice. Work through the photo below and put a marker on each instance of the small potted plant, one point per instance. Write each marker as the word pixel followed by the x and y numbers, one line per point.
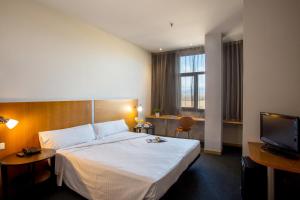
pixel 156 112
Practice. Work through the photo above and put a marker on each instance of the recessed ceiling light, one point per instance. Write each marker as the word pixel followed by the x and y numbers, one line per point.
pixel 160 49
pixel 191 44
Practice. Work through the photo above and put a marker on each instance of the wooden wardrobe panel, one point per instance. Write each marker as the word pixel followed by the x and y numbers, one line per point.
pixel 108 110
pixel 34 117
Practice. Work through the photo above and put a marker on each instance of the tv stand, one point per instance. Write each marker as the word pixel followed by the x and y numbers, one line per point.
pixel 279 152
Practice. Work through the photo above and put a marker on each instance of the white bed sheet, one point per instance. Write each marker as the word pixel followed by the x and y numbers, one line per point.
pixel 124 166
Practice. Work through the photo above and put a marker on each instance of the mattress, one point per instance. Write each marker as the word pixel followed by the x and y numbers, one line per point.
pixel 124 166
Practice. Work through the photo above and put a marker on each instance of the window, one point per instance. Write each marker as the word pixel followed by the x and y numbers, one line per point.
pixel 192 80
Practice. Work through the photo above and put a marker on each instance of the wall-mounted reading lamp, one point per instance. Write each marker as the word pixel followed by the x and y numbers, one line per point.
pixel 139 108
pixel 10 123
pixel 139 118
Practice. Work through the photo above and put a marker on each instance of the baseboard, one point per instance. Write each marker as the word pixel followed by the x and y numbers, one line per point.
pixel 213 152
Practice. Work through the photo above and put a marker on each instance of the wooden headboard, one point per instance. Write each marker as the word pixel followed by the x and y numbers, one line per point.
pixel 40 116
pixel 34 117
pixel 107 110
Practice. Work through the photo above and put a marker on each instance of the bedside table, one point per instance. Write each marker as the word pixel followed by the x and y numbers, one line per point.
pixel 149 130
pixel 30 161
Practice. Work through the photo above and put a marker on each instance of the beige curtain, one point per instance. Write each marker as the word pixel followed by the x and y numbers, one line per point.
pixel 233 80
pixel 163 91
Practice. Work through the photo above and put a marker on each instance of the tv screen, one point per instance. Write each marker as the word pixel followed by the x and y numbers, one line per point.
pixel 281 131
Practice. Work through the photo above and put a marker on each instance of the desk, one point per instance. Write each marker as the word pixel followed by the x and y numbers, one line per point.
pixel 197 119
pixel 272 162
pixel 173 117
pixel 167 124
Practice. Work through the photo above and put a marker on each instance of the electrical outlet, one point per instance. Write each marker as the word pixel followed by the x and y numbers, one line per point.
pixel 2 146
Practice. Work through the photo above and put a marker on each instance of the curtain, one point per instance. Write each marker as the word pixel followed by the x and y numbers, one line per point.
pixel 233 80
pixel 163 90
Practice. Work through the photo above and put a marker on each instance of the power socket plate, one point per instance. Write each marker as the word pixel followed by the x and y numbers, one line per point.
pixel 2 146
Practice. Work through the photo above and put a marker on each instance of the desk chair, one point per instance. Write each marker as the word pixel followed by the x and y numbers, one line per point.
pixel 185 125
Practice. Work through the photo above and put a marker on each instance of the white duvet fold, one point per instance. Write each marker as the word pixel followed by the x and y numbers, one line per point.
pixel 124 166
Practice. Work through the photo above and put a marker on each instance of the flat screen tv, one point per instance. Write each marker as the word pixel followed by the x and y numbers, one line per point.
pixel 280 132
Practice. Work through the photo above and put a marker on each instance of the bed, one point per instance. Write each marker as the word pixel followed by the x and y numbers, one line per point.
pixel 124 165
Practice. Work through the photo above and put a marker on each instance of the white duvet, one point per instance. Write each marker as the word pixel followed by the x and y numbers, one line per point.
pixel 124 166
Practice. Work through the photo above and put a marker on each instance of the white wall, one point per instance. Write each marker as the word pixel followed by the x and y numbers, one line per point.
pixel 45 55
pixel 271 62
pixel 213 93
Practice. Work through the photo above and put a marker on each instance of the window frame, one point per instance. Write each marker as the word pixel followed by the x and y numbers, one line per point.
pixel 196 89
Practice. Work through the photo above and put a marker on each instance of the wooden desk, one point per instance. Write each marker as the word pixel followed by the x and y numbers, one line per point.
pixel 173 117
pixel 197 119
pixel 167 122
pixel 272 161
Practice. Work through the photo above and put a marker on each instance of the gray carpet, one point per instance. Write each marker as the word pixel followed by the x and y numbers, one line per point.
pixel 209 178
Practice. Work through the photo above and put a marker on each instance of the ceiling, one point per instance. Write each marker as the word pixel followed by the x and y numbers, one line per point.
pixel 146 23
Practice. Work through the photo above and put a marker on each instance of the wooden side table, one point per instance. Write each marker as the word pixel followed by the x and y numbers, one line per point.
pixel 30 161
pixel 149 130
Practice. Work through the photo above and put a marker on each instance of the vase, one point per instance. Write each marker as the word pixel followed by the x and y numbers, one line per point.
pixel 157 114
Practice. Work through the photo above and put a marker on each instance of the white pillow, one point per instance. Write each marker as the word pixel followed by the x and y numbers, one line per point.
pixel 110 128
pixel 57 139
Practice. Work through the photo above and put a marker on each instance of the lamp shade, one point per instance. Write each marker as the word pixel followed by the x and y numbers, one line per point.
pixel 11 123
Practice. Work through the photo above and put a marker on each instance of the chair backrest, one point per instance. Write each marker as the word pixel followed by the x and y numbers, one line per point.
pixel 186 123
